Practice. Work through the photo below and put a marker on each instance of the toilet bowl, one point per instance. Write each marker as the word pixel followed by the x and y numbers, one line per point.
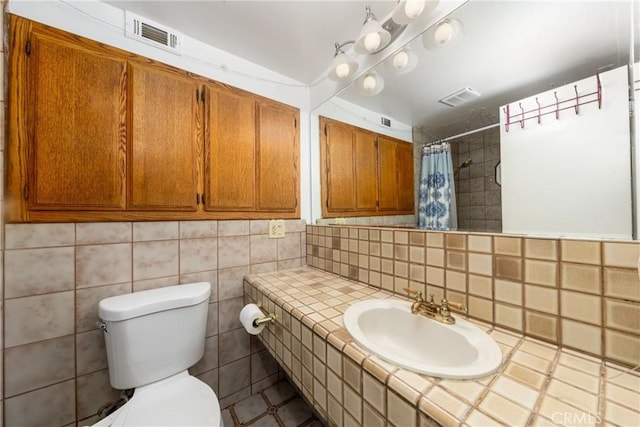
pixel 152 338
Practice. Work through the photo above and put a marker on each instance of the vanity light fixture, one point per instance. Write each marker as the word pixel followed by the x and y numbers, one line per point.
pixel 404 61
pixel 446 33
pixel 406 11
pixel 372 37
pixel 371 83
pixel 342 66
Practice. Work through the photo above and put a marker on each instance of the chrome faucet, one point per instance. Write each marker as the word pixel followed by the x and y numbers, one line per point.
pixel 441 313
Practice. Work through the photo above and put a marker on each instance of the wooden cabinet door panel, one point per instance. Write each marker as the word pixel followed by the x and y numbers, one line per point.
pixel 340 173
pixel 404 166
pixel 163 140
pixel 230 150
pixel 366 170
pixel 278 165
pixel 77 128
pixel 387 178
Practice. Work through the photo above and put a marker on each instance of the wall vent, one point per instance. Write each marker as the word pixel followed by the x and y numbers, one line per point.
pixel 154 34
pixel 459 97
pixel 385 122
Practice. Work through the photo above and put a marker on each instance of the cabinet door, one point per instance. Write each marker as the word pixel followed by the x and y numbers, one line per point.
pixel 278 172
pixel 230 150
pixel 365 169
pixel 340 194
pixel 388 175
pixel 76 128
pixel 404 166
pixel 163 140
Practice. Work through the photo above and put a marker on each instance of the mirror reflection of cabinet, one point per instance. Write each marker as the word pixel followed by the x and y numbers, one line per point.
pixel 364 173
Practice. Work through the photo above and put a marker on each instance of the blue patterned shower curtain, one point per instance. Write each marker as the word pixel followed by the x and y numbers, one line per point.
pixel 437 200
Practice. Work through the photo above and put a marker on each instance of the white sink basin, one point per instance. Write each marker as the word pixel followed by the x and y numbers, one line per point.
pixel 387 328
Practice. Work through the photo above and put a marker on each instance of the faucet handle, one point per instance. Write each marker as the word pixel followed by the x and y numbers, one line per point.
pixel 418 294
pixel 457 306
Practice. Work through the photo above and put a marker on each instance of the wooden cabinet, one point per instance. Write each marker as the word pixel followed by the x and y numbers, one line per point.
pixel 99 134
pixel 251 153
pixel 162 140
pixel 364 173
pixel 396 174
pixel 75 127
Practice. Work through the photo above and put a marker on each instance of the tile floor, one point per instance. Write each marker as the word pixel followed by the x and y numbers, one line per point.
pixel 276 406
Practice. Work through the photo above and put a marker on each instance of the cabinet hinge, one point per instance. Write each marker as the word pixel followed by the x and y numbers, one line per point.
pixel 202 96
pixel 25 192
pixel 295 123
pixel 197 199
pixel 325 129
pixel 197 95
pixel 27 47
pixel 377 203
pixel 202 199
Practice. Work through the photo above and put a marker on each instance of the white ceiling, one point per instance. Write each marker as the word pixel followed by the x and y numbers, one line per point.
pixel 511 49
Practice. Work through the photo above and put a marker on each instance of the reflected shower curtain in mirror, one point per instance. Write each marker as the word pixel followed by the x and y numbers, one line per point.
pixel 437 198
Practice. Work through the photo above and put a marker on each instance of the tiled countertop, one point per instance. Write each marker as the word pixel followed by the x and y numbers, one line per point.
pixel 537 384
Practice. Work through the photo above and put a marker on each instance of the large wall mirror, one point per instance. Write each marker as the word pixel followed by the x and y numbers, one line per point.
pixel 508 51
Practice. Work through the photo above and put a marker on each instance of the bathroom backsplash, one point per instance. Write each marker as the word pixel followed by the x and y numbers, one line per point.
pixel 580 294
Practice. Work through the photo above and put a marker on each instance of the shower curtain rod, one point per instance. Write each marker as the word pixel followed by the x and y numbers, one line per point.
pixel 460 135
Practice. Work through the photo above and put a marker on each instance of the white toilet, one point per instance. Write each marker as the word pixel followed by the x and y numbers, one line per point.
pixel 152 338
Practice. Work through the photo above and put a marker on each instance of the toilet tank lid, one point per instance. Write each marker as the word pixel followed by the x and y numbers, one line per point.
pixel 128 306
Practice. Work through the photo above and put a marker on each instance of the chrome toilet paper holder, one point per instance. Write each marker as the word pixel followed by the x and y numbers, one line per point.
pixel 269 317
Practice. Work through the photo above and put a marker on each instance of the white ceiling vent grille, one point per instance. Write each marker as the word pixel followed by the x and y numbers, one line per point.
pixel 459 97
pixel 147 31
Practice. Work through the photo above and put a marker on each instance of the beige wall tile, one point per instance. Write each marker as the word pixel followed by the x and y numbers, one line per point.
pixel 540 272
pixel 98 265
pixel 541 249
pixel 160 230
pixel 198 229
pixel 622 315
pixel 479 243
pixel 585 278
pixel 515 392
pixel 54 319
pixel 456 260
pixel 525 375
pixel 232 345
pixel 235 228
pixel 456 281
pixel 481 286
pixel 435 276
pixel 400 412
pixel 578 306
pixel 19 236
pixel 32 366
pixel 198 255
pixel 435 257
pixel 456 241
pixel 95 233
pixel 352 403
pixel 230 282
pixel 508 316
pixel 54 272
pixel 504 410
pixel 49 406
pixel 401 237
pixel 91 352
pixel 288 247
pixel 480 264
pixel 580 251
pixel 541 299
pixel 417 254
pixel 508 268
pixel 507 245
pixel 435 240
pixel 622 283
pixel 622 347
pixel 621 254
pixel 587 338
pixel 92 391
pixel 386 236
pixel 417 238
pixel 541 326
pixel 263 249
pixel 155 259
pixel 371 418
pixel 480 308
pixel 507 291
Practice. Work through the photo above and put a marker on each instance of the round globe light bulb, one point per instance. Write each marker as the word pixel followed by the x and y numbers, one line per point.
pixel 413 8
pixel 443 33
pixel 400 60
pixel 372 41
pixel 342 70
pixel 369 83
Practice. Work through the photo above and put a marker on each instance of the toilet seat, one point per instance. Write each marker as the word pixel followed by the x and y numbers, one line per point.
pixel 180 400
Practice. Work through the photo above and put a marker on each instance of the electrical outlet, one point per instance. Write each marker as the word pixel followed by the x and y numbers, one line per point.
pixel 276 229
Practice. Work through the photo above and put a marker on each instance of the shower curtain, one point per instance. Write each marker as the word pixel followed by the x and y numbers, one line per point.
pixel 437 199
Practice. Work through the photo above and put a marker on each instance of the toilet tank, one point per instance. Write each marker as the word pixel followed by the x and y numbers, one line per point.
pixel 151 335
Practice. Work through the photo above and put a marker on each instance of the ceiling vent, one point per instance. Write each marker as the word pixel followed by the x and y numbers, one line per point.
pixel 459 97
pixel 147 31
